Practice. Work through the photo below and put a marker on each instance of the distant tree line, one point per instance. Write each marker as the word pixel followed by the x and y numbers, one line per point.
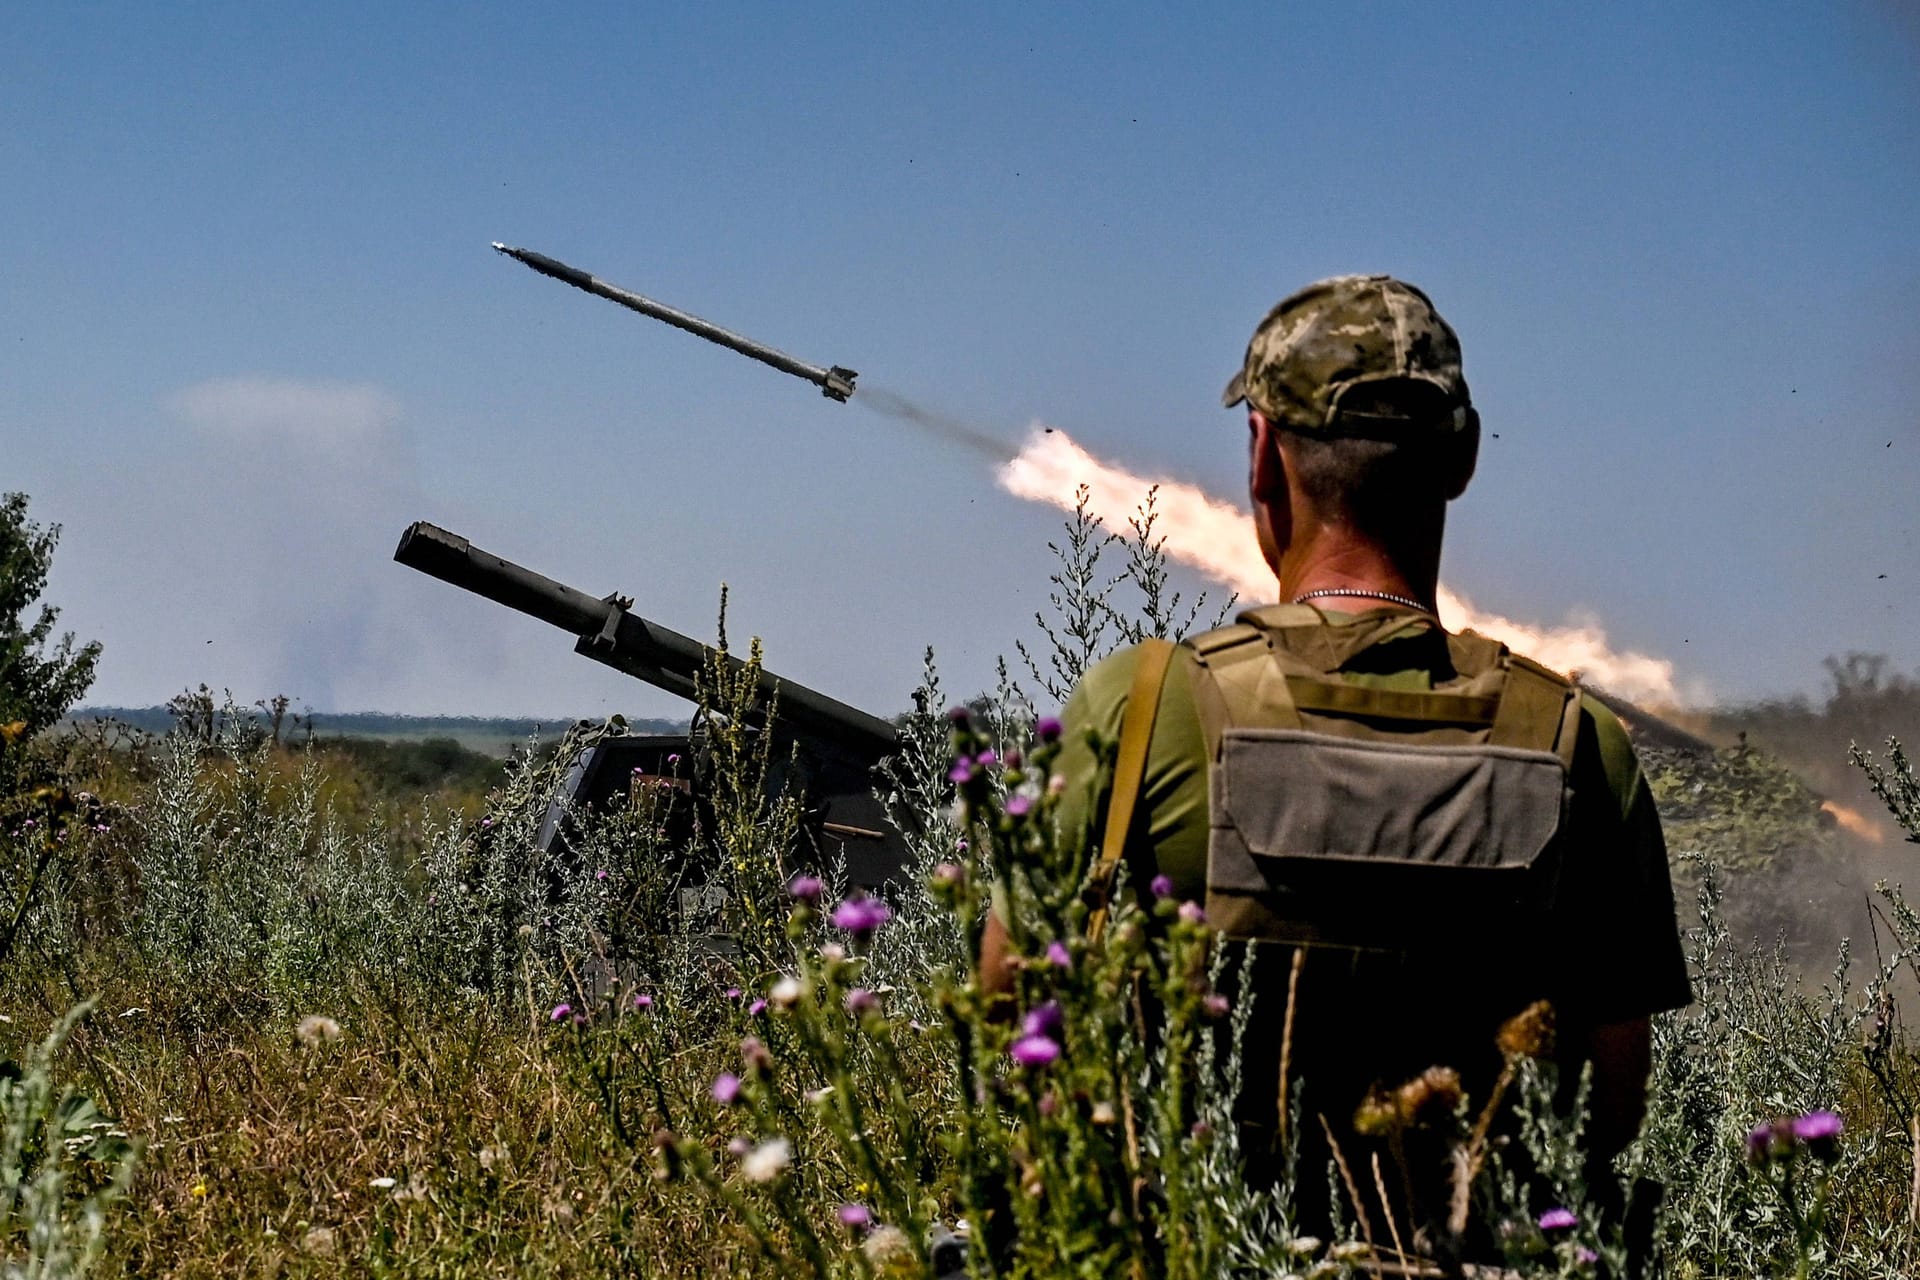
pixel 366 724
pixel 1866 702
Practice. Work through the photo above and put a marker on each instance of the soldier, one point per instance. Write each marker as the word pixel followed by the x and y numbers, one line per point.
pixel 1428 832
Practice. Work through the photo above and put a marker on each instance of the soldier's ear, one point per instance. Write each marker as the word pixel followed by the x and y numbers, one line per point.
pixel 1463 456
pixel 1266 469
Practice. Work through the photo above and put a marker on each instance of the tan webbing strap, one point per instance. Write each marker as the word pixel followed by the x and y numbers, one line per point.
pixel 1533 710
pixel 1391 704
pixel 1129 774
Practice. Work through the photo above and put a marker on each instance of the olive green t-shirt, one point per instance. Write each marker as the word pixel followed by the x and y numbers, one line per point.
pixel 1618 946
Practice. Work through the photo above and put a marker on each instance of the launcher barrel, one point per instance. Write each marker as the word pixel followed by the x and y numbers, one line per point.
pixel 608 632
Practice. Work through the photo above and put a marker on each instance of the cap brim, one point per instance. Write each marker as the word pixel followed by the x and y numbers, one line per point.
pixel 1236 391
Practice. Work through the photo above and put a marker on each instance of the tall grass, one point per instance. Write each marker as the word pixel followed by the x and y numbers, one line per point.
pixel 327 1051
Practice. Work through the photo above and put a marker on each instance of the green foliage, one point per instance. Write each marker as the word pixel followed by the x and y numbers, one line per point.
pixel 37 682
pixel 410 767
pixel 63 1165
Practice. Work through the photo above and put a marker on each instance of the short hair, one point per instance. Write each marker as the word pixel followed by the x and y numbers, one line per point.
pixel 1373 470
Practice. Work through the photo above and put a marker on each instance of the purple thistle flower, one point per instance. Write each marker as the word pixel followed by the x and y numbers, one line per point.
pixel 1191 913
pixel 987 759
pixel 643 1002
pixel 860 915
pixel 806 889
pixel 1160 886
pixel 861 1002
pixel 1585 1255
pixel 856 1216
pixel 600 876
pixel 1048 729
pixel 950 874
pixel 1018 805
pixel 1058 956
pixel 673 759
pixel 1044 1020
pixel 757 1008
pixel 560 1011
pixel 1035 1051
pixel 1214 1005
pixel 1820 1131
pixel 959 716
pixel 726 1088
pixel 1558 1220
pixel 733 993
pixel 962 771
pixel 1816 1125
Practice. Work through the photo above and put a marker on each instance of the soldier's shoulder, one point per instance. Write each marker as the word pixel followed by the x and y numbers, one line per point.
pixel 1603 733
pixel 1100 698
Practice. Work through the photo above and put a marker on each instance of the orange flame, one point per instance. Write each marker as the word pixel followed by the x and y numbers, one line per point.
pixel 1217 538
pixel 1854 821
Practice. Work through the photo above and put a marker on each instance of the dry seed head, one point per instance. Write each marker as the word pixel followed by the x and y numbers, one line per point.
pixel 1430 1096
pixel 1377 1114
pixel 1529 1033
pixel 888 1250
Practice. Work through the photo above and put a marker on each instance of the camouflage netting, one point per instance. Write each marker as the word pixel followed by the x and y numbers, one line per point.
pixel 1739 807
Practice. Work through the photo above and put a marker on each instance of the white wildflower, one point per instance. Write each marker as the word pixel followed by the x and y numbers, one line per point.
pixel 316 1029
pixel 383 1184
pixel 787 992
pixel 767 1161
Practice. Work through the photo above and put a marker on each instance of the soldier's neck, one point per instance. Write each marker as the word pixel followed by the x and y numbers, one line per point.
pixel 1333 556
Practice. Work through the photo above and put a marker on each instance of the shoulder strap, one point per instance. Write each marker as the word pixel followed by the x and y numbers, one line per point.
pixel 1235 676
pixel 1129 773
pixel 1539 710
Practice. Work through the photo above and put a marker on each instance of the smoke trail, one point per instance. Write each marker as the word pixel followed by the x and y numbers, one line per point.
pixel 1217 538
pixel 895 405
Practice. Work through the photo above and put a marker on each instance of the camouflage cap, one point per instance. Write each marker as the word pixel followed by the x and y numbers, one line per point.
pixel 1351 331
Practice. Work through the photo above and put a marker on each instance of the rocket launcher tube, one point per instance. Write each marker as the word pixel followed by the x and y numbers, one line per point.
pixel 835 382
pixel 609 633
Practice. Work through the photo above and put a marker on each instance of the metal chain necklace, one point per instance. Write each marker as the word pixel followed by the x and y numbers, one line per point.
pixel 1388 596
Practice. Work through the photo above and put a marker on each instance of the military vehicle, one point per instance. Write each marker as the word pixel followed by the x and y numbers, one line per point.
pixel 823 751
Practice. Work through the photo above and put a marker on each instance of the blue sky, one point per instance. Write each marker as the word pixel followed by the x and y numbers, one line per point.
pixel 250 326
